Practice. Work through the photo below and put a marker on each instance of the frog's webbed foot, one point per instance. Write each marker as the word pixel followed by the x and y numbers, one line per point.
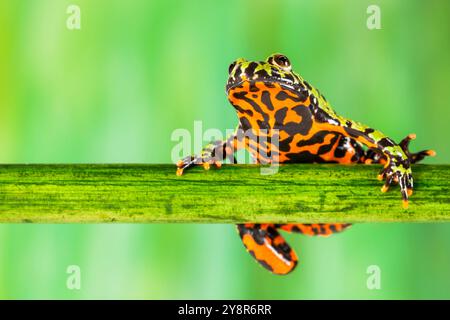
pixel 398 170
pixel 212 154
pixel 268 247
pixel 417 156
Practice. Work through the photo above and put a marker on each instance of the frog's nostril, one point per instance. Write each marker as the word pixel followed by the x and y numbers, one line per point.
pixel 231 67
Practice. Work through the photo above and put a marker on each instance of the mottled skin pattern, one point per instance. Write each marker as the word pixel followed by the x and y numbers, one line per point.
pixel 275 104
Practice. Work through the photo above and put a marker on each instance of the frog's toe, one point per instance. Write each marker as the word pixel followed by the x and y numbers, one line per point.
pixel 187 162
pixel 387 183
pixel 207 164
pixel 419 156
pixel 409 191
pixel 405 204
pixel 405 142
pixel 384 173
pixel 406 186
pixel 191 161
pixel 415 157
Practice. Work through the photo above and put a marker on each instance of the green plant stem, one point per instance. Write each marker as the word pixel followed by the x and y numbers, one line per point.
pixel 71 193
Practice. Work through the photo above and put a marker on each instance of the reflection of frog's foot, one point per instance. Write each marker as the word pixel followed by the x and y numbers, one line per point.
pixel 270 249
pixel 417 156
pixel 191 161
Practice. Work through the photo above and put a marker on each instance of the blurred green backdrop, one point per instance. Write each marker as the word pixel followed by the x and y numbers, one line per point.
pixel 115 90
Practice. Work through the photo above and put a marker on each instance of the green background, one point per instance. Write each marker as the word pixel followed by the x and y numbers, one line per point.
pixel 115 90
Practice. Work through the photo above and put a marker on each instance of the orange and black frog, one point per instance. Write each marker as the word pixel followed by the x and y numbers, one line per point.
pixel 284 119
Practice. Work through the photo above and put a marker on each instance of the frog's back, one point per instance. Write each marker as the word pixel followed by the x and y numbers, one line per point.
pixel 284 121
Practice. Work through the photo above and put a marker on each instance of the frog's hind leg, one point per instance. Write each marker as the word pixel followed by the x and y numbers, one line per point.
pixel 314 229
pixel 268 247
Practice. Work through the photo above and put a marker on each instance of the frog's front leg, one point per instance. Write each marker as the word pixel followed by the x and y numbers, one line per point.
pixel 213 153
pixel 398 164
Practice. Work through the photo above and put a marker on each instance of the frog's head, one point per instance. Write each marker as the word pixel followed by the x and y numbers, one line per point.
pixel 261 87
pixel 276 69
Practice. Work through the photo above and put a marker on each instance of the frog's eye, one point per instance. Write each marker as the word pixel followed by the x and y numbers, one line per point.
pixel 282 61
pixel 231 67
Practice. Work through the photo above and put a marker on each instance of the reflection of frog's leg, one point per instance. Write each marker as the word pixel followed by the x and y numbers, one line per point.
pixel 268 247
pixel 214 153
pixel 315 229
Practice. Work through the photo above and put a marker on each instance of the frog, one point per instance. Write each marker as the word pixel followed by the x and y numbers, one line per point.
pixel 275 104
